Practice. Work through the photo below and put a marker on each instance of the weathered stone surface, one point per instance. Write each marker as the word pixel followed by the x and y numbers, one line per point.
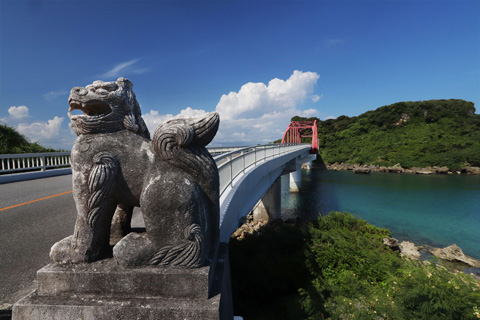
pixel 116 167
pixel 34 307
pixel 106 278
pixel 441 170
pixel 396 168
pixel 454 253
pixel 472 170
pixel 409 250
pixel 392 243
pixel 424 171
pixel 362 170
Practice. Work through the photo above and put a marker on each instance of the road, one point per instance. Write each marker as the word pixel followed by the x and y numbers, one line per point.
pixel 28 231
pixel 33 216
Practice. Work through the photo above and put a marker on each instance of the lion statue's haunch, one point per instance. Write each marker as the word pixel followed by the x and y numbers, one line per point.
pixel 116 167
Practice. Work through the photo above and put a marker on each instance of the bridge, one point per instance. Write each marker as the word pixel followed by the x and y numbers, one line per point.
pixel 250 177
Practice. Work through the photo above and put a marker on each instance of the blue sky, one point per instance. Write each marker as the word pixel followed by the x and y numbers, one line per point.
pixel 258 63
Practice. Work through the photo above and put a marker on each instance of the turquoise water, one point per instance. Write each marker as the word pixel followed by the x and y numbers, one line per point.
pixel 437 210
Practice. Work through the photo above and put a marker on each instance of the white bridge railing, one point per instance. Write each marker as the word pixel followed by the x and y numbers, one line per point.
pixel 231 161
pixel 234 163
pixel 11 163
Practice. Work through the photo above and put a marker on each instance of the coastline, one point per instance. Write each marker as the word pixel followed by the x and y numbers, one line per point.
pixel 366 169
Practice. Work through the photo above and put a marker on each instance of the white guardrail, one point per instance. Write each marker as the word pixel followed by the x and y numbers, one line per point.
pixel 24 162
pixel 234 163
pixel 231 161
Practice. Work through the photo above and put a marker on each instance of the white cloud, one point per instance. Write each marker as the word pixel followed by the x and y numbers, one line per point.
pixel 257 113
pixel 41 132
pixel 18 113
pixel 255 99
pixel 52 95
pixel 153 118
pixel 316 97
pixel 123 68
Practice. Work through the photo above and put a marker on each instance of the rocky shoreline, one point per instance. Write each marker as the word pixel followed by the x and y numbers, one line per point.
pixel 452 256
pixel 366 169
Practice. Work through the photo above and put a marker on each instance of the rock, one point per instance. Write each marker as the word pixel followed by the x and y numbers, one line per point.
pixel 362 170
pixel 473 170
pixel 441 170
pixel 392 243
pixel 424 171
pixel 454 253
pixel 409 250
pixel 396 169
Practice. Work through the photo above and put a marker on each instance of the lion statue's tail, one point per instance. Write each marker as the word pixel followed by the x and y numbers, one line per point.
pixel 181 142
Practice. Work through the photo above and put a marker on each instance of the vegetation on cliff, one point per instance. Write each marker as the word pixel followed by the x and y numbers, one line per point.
pixel 338 268
pixel 414 134
pixel 13 142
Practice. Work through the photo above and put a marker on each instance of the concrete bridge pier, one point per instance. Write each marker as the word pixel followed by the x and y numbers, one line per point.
pixel 296 179
pixel 307 165
pixel 269 208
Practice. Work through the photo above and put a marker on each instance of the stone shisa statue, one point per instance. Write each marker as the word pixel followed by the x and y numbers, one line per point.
pixel 173 270
pixel 116 167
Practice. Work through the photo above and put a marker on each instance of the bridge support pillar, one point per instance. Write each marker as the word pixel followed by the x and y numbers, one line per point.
pixel 269 208
pixel 296 180
pixel 307 165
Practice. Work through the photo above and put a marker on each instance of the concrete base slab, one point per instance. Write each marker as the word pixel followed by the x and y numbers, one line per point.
pixel 100 308
pixel 107 278
pixel 105 291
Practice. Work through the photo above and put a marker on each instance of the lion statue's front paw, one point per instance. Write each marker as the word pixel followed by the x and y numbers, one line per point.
pixel 63 252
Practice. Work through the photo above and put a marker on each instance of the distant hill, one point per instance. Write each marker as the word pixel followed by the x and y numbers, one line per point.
pixel 13 142
pixel 414 134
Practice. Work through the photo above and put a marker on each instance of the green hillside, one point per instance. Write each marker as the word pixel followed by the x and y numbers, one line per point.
pixel 414 134
pixel 13 142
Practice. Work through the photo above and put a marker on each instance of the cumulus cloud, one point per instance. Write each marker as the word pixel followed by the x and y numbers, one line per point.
pixel 153 118
pixel 18 113
pixel 255 99
pixel 258 113
pixel 41 131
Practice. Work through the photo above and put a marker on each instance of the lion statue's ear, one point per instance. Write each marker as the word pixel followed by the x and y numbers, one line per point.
pixel 125 83
pixel 133 116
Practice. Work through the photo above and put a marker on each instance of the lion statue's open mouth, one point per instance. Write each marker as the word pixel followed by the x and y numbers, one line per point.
pixel 106 107
pixel 95 109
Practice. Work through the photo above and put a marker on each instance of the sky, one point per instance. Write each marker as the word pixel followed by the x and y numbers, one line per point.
pixel 257 63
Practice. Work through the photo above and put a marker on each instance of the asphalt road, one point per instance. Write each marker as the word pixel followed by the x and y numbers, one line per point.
pixel 28 231
pixel 45 214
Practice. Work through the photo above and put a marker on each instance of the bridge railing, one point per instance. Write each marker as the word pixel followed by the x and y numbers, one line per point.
pixel 214 151
pixel 231 165
pixel 10 163
pixel 231 161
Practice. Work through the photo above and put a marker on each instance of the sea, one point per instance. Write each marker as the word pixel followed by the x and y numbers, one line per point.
pixel 434 210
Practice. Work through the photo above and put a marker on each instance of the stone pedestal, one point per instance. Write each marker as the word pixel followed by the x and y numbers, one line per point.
pixel 102 290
